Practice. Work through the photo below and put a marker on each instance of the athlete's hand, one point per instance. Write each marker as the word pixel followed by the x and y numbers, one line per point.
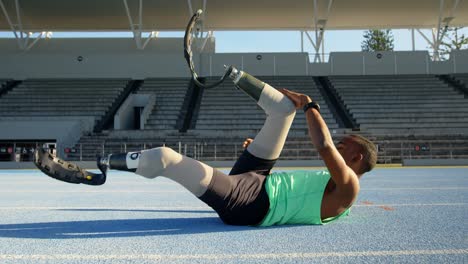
pixel 299 100
pixel 247 142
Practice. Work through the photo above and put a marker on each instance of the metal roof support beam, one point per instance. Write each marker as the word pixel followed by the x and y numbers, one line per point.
pixel 23 38
pixel 310 39
pixel 439 33
pixel 200 28
pixel 302 41
pixel 16 28
pixel 434 43
pixel 317 40
pixel 208 36
pixel 137 28
pixel 10 23
pixel 320 26
pixel 200 23
pixel 190 8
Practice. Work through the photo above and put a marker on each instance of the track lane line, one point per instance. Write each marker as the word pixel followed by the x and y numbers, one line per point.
pixel 192 207
pixel 295 255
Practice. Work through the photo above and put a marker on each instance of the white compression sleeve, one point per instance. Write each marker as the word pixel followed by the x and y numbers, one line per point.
pixel 192 174
pixel 280 112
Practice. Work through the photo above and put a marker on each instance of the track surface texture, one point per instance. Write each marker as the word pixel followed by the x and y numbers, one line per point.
pixel 402 215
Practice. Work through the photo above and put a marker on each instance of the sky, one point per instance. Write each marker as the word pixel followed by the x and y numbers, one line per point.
pixel 278 41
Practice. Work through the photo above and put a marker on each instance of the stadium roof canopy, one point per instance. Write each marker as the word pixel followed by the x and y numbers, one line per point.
pixel 172 15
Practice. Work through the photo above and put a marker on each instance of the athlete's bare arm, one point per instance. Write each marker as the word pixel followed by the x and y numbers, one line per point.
pixel 346 180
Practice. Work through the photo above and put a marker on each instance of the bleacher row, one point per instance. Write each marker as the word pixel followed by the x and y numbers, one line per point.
pixel 462 79
pixel 226 110
pixel 406 104
pixel 48 98
pixel 389 109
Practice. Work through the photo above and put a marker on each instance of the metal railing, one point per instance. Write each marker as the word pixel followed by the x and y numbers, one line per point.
pixel 389 151
pixel 394 152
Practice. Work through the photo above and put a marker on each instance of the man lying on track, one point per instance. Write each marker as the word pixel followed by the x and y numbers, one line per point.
pixel 250 194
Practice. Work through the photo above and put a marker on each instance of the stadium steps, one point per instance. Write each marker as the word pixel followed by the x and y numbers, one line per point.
pixel 400 104
pixel 60 97
pixel 191 106
pixel 458 81
pixel 170 95
pixel 227 110
pixel 7 85
pixel 305 85
pixel 463 79
pixel 336 104
pixel 397 127
pixel 108 119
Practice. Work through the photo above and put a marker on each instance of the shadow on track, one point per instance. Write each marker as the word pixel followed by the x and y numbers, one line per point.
pixel 120 227
pixel 136 210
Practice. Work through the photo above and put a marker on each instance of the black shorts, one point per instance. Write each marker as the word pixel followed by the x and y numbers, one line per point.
pixel 240 198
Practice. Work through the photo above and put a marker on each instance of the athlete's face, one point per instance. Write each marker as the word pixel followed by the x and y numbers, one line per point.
pixel 350 151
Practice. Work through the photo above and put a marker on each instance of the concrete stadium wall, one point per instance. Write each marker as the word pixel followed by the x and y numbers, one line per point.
pixel 387 63
pixel 435 162
pixel 124 118
pixel 66 132
pixel 460 61
pixel 133 66
pixel 119 58
pixel 95 58
pixel 255 63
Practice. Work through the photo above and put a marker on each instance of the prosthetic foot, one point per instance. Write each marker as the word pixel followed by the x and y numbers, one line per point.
pixel 66 171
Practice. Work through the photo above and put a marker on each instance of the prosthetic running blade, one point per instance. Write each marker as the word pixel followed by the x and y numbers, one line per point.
pixel 67 171
pixel 188 54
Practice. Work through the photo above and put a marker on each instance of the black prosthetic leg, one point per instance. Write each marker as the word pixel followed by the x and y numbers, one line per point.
pixel 66 171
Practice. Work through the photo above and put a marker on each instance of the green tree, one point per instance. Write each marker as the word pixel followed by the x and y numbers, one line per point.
pixel 377 40
pixel 453 40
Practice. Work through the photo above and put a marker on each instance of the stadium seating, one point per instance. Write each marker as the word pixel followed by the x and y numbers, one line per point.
pixel 65 97
pixel 170 93
pixel 3 82
pixel 226 110
pixel 220 105
pixel 407 116
pixel 306 85
pixel 463 78
pixel 403 104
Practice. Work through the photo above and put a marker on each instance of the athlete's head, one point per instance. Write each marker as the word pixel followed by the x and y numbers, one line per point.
pixel 359 153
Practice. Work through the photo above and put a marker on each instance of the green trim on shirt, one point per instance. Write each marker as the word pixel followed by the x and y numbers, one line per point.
pixel 296 198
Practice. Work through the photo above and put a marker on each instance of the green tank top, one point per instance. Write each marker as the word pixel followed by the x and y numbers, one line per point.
pixel 296 198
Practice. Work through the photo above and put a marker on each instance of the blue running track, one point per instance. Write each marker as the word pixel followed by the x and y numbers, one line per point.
pixel 403 215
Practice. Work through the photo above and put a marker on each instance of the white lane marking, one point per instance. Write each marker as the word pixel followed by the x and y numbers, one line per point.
pixel 120 232
pixel 192 208
pixel 94 191
pixel 133 208
pixel 412 188
pixel 427 204
pixel 297 255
